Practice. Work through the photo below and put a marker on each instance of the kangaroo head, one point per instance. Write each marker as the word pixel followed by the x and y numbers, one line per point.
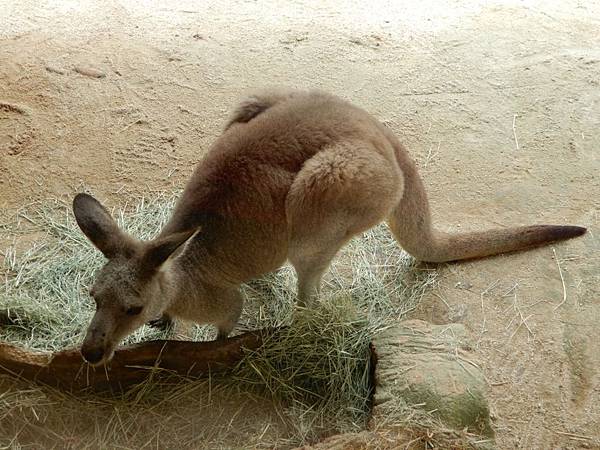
pixel 128 289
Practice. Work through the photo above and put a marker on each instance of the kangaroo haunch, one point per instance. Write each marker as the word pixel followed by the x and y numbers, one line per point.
pixel 294 176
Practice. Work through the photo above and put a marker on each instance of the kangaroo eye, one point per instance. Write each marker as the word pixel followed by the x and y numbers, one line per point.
pixel 134 310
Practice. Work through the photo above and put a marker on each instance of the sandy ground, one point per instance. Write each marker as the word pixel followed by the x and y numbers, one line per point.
pixel 499 101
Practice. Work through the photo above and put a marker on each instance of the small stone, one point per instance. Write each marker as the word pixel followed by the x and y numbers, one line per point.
pixel 89 72
pixel 463 285
pixel 53 69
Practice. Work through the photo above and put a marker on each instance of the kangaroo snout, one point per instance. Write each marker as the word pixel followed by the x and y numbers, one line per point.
pixel 92 355
pixel 95 347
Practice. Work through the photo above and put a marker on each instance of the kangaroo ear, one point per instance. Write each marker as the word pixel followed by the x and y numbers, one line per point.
pixel 159 250
pixel 100 228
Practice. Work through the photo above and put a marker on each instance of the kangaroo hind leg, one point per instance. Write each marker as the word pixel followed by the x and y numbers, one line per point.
pixel 341 191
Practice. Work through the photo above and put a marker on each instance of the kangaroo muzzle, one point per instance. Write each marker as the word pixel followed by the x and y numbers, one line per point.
pixel 92 355
pixel 95 347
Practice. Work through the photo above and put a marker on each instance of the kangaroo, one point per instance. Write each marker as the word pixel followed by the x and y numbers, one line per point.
pixel 294 176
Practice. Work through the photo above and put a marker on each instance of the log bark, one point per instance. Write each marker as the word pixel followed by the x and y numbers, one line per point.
pixel 131 364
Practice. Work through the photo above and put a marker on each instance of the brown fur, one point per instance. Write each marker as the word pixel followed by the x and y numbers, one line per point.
pixel 294 176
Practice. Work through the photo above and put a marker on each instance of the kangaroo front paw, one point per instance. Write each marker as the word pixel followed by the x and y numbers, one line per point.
pixel 162 323
pixel 222 335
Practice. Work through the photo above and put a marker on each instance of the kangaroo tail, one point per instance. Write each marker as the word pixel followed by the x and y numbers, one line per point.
pixel 411 225
pixel 453 247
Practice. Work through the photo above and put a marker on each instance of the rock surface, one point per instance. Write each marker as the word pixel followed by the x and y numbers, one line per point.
pixel 430 366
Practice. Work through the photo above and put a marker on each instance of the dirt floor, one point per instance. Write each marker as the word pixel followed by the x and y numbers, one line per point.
pixel 498 101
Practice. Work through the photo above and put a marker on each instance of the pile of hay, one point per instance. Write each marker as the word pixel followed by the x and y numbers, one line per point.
pixel 316 372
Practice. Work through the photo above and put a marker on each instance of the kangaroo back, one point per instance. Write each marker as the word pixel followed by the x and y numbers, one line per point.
pixel 411 225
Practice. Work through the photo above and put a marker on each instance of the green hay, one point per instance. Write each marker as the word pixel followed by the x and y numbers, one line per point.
pixel 320 365
pixel 317 368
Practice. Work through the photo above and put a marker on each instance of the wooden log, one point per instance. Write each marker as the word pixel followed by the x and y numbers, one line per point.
pixel 130 365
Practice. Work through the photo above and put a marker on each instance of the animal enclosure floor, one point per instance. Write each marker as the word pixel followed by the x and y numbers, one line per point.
pixel 498 101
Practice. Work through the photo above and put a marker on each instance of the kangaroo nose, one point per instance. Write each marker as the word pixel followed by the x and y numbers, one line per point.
pixel 92 356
